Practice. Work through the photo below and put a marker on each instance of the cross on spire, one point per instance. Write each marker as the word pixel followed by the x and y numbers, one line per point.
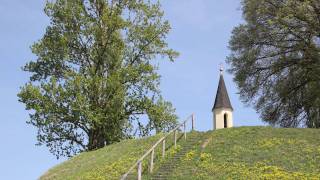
pixel 221 69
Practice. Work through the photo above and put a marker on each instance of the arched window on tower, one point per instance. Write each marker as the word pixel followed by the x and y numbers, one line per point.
pixel 225 118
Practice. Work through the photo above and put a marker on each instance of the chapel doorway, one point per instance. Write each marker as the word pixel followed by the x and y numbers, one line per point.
pixel 225 118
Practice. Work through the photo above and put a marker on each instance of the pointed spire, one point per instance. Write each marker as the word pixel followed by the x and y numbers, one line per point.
pixel 222 98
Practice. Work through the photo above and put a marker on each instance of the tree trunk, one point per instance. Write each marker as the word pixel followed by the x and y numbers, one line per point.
pixel 96 139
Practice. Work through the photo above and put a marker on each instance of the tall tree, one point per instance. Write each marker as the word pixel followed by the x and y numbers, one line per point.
pixel 275 57
pixel 94 75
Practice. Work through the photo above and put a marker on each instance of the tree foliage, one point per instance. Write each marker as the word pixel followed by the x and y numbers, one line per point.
pixel 275 57
pixel 94 75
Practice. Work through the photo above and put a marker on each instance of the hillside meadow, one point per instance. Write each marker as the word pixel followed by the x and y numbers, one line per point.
pixel 234 153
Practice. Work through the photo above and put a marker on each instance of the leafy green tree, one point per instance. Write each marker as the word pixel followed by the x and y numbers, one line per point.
pixel 94 75
pixel 275 57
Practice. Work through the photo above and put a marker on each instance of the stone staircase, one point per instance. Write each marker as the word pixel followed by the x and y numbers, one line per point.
pixel 193 141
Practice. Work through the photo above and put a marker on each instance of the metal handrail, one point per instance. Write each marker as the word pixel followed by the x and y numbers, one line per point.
pixel 138 163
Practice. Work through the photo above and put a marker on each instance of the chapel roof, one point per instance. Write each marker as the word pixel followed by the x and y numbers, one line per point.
pixel 222 98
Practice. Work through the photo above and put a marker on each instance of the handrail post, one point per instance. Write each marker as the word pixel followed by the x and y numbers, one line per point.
pixel 163 148
pixel 151 161
pixel 185 132
pixel 175 139
pixel 138 163
pixel 192 120
pixel 139 170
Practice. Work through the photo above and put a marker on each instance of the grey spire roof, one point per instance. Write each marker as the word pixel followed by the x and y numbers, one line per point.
pixel 222 99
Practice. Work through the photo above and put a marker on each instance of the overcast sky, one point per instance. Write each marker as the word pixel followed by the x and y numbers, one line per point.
pixel 200 32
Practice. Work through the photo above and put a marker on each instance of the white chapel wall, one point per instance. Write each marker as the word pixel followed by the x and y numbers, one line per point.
pixel 218 118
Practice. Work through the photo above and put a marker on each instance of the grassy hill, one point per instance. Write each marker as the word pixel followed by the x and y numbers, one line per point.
pixel 106 163
pixel 241 153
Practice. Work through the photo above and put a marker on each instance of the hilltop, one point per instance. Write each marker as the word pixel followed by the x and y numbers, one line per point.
pixel 244 152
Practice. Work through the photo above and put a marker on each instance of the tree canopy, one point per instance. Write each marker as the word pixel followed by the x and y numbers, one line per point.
pixel 275 57
pixel 94 75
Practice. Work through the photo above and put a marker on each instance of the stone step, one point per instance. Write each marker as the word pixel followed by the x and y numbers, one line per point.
pixel 161 176
pixel 163 173
pixel 193 141
pixel 181 155
pixel 166 176
pixel 167 167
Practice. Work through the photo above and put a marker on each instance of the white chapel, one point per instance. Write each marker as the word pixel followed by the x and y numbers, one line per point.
pixel 222 108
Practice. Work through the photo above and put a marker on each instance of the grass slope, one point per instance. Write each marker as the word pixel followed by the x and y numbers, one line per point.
pixel 106 163
pixel 255 153
pixel 235 153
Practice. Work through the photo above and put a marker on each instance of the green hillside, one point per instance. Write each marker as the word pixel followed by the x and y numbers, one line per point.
pixel 106 163
pixel 236 153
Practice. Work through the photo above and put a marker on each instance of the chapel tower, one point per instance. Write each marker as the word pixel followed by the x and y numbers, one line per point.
pixel 222 109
